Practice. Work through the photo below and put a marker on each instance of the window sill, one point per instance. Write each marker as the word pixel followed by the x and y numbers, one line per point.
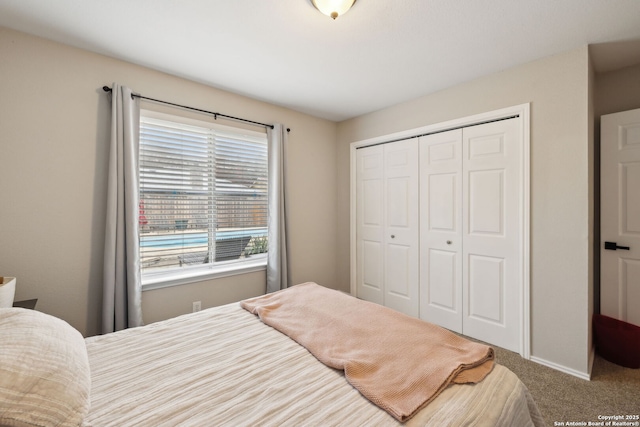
pixel 183 276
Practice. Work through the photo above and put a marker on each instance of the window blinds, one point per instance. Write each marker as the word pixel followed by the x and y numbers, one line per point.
pixel 203 194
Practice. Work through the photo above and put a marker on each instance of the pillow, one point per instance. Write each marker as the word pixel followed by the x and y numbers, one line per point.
pixel 44 370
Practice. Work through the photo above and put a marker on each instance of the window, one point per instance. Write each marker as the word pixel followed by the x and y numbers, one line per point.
pixel 203 198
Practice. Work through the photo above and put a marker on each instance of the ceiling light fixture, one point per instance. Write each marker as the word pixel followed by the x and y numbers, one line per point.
pixel 333 8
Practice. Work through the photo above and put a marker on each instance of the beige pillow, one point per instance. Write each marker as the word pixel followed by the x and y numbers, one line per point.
pixel 44 370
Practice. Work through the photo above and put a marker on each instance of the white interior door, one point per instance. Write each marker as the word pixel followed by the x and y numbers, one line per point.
pixel 441 229
pixel 401 237
pixel 492 233
pixel 620 216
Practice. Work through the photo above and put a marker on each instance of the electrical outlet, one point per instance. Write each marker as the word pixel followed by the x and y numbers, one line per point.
pixel 197 306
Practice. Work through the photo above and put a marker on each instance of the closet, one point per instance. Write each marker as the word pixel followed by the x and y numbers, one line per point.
pixel 439 229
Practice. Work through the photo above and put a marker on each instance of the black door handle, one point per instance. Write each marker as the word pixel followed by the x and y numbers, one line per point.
pixel 613 246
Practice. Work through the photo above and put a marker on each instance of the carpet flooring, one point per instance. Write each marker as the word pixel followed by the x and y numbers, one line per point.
pixel 564 399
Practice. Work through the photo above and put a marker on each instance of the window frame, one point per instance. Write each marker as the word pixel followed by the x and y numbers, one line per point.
pixel 176 276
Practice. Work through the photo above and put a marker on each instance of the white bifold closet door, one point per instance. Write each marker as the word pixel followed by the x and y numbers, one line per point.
pixel 441 229
pixel 387 225
pixel 471 231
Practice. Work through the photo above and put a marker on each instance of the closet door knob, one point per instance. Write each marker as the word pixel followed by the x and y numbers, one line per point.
pixel 393 236
pixel 448 242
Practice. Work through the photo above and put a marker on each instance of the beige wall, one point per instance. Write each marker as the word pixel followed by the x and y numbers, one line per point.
pixel 557 88
pixel 618 90
pixel 54 128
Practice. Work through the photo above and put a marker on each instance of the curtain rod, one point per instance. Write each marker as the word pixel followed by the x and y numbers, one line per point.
pixel 215 115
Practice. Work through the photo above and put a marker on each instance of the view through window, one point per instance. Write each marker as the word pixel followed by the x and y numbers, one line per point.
pixel 203 193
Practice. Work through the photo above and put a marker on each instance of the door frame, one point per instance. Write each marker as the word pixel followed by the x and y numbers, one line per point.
pixel 523 112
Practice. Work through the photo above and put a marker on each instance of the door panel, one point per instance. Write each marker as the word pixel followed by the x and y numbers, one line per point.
pixel 398 270
pixel 401 236
pixel 442 201
pixel 486 289
pixel 441 229
pixel 371 269
pixel 369 224
pixel 492 233
pixel 486 146
pixel 442 269
pixel 372 214
pixel 486 202
pixel 630 198
pixel 630 279
pixel 620 216
pixel 398 202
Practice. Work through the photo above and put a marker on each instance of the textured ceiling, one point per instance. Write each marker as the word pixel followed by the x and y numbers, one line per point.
pixel 379 54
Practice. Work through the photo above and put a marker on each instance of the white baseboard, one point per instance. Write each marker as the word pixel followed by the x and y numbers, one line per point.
pixel 581 375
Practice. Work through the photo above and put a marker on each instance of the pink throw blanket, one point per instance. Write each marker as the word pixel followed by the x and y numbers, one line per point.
pixel 398 362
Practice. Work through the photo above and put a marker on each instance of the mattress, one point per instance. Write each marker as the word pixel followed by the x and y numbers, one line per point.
pixel 224 367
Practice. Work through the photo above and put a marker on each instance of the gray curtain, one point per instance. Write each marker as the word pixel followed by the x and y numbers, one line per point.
pixel 278 272
pixel 121 307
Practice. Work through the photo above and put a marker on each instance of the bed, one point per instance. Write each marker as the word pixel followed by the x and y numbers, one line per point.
pixel 221 366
